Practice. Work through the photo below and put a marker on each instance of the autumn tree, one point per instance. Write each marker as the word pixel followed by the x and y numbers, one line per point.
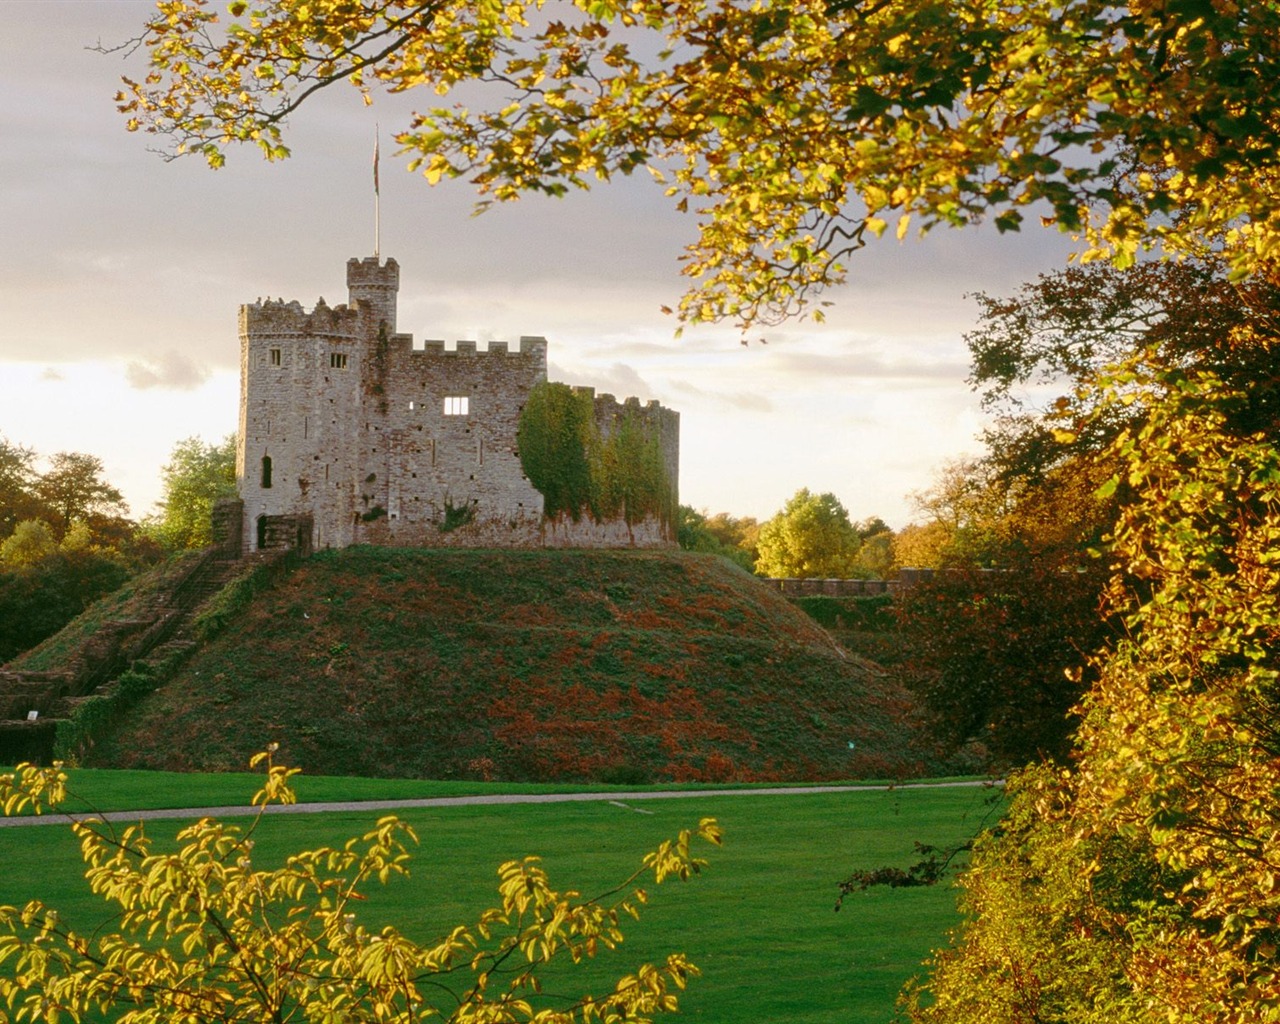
pixel 1139 886
pixel 17 479
pixel 31 541
pixel 204 932
pixel 197 475
pixel 1000 658
pixel 45 584
pixel 74 489
pixel 811 537
pixel 793 130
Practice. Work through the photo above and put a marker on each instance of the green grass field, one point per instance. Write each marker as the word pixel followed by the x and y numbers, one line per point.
pixel 759 923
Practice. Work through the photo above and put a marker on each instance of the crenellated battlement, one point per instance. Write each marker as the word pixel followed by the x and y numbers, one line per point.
pixel 277 318
pixel 528 346
pixel 371 273
pixel 608 407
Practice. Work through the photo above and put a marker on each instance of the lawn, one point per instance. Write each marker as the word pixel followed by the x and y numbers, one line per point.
pixel 759 923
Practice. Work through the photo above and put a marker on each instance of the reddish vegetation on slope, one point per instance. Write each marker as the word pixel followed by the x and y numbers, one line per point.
pixel 547 665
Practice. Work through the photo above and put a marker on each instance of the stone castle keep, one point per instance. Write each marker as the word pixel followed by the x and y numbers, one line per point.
pixel 349 434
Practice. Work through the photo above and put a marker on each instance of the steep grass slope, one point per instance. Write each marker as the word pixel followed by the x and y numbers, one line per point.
pixel 519 665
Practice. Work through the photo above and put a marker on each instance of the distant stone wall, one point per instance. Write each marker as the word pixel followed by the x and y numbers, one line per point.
pixel 906 579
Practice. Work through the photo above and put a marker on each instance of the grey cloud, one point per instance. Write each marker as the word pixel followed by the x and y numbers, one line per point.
pixel 171 370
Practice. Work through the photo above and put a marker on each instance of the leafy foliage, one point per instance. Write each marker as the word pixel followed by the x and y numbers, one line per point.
pixel 205 933
pixel 30 542
pixel 1172 797
pixel 196 476
pixel 579 468
pixel 793 130
pixel 1000 657
pixel 1037 354
pixel 556 431
pixel 721 534
pixel 38 598
pixel 73 490
pixel 812 537
pixel 996 657
pixel 17 479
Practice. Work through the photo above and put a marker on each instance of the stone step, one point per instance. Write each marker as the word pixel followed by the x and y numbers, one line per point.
pixel 18 698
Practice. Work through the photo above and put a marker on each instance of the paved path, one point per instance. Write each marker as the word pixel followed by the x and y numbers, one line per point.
pixel 358 806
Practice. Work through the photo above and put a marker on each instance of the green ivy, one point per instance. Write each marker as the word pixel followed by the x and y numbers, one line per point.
pixel 456 516
pixel 556 430
pixel 577 469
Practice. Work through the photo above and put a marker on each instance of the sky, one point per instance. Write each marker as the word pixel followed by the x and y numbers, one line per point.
pixel 121 276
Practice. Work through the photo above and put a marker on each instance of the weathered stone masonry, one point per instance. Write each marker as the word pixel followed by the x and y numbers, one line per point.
pixel 350 435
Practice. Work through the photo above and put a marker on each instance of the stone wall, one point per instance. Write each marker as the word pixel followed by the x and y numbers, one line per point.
pixel 906 579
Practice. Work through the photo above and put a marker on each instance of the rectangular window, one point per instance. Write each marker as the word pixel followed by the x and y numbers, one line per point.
pixel 275 357
pixel 456 405
pixel 337 360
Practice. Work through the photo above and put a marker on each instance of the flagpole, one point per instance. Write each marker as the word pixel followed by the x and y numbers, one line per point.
pixel 377 200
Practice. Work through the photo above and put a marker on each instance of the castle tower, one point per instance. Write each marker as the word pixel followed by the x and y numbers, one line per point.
pixel 376 285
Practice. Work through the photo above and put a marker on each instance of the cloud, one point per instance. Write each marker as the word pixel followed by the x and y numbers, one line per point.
pixel 172 370
pixel 866 365
pixel 50 373
pixel 747 401
pixel 619 380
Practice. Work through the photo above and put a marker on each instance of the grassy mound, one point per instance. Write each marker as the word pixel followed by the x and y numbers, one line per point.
pixel 524 665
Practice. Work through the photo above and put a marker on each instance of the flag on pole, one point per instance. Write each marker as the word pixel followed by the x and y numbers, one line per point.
pixel 375 162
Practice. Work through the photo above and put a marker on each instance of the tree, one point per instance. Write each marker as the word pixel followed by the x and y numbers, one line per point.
pixel 196 476
pixel 811 537
pixel 999 659
pixel 30 542
pixel 73 489
pixel 45 584
pixel 1037 354
pixel 17 477
pixel 794 130
pixel 720 534
pixel 963 507
pixel 1167 828
pixel 204 933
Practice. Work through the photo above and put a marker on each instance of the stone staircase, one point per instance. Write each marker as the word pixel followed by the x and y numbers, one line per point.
pixel 34 703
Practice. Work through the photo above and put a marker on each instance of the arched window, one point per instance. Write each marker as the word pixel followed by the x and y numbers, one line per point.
pixel 266 471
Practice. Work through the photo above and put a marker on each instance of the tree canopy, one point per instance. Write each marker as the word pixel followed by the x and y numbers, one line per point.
pixel 17 480
pixel 73 489
pixel 792 130
pixel 196 476
pixel 811 537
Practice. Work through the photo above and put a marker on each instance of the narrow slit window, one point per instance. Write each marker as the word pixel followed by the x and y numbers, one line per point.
pixel 337 360
pixel 275 357
pixel 266 471
pixel 456 405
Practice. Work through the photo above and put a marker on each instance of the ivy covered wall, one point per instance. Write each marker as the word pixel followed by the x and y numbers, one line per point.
pixel 591 455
